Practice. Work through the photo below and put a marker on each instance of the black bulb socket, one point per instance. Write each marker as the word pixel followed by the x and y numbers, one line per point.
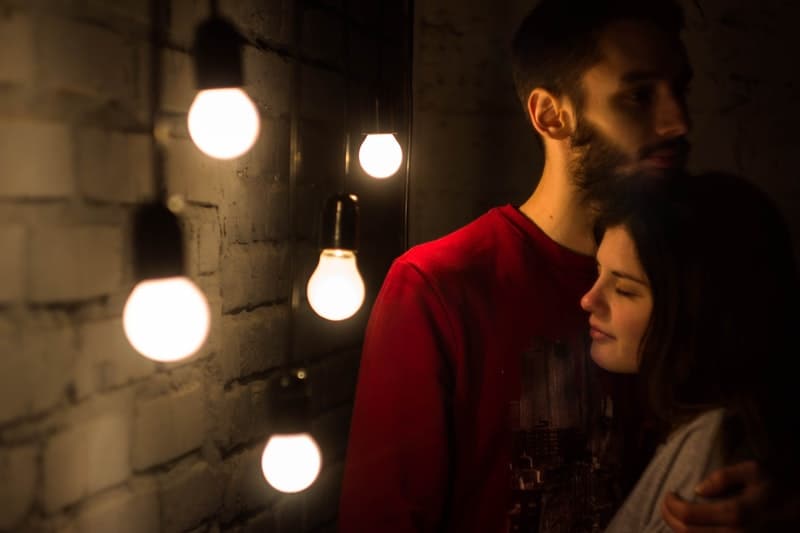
pixel 289 404
pixel 218 55
pixel 158 243
pixel 340 223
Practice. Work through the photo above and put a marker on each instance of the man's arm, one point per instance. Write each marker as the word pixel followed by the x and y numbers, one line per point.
pixel 397 474
pixel 727 515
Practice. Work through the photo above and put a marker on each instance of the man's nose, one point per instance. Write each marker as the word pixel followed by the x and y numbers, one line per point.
pixel 671 118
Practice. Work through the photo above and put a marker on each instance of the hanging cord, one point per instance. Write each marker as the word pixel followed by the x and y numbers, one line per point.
pixel 294 164
pixel 347 94
pixel 157 31
pixel 214 7
pixel 409 90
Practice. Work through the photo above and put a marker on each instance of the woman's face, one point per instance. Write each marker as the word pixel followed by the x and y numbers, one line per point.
pixel 619 303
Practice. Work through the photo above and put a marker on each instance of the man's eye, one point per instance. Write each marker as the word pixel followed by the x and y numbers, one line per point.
pixel 624 293
pixel 641 95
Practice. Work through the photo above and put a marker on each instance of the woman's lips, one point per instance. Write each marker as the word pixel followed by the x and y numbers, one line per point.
pixel 599 335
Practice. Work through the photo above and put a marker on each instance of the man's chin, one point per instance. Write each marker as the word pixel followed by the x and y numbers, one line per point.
pixel 646 168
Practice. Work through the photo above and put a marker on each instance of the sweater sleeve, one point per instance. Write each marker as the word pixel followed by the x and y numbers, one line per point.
pixel 397 471
pixel 689 454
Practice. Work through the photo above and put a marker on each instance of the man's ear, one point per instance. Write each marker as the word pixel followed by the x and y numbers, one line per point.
pixel 550 115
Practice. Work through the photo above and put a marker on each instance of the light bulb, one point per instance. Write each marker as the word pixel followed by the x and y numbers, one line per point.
pixel 380 155
pixel 335 290
pixel 291 462
pixel 166 319
pixel 223 123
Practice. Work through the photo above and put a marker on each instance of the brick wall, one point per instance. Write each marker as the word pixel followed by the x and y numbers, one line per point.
pixel 473 148
pixel 93 437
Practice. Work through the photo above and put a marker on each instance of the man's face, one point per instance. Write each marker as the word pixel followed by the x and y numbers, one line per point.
pixel 633 117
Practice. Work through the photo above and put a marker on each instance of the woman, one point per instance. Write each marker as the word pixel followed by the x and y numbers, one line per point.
pixel 697 292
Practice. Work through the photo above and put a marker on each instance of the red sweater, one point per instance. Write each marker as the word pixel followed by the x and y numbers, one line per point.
pixel 440 385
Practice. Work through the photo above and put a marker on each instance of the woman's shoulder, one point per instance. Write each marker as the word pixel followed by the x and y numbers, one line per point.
pixel 689 453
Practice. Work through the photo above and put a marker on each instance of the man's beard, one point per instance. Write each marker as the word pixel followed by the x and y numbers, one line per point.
pixel 600 166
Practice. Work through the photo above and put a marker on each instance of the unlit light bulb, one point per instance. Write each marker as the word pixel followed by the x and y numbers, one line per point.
pixel 166 319
pixel 291 462
pixel 335 290
pixel 223 123
pixel 380 155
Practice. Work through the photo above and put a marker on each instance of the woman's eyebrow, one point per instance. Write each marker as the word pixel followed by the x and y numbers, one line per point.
pixel 631 277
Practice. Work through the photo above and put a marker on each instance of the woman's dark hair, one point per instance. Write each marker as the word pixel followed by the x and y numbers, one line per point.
pixel 558 40
pixel 724 282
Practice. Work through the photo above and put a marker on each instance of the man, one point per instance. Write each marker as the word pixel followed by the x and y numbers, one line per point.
pixel 476 407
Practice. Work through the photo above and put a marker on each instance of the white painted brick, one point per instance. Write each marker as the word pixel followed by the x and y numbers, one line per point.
pixel 18 488
pixel 143 89
pixel 65 469
pixel 134 9
pixel 42 369
pixel 74 263
pixel 236 278
pixel 179 89
pixel 270 20
pixel 113 166
pixel 26 172
pixel 189 495
pixel 210 285
pixel 13 263
pixel 108 448
pixel 139 164
pixel 132 509
pixel 49 352
pixel 242 414
pixel 253 274
pixel 267 81
pixel 186 15
pixel 320 506
pixel 246 490
pixel 236 212
pixel 106 358
pixel 254 341
pixel 208 243
pixel 255 210
pixel 276 221
pixel 85 459
pixel 264 521
pixel 195 175
pixel 86 59
pixel 14 375
pixel 168 426
pixel 330 430
pixel 16 48
pixel 202 233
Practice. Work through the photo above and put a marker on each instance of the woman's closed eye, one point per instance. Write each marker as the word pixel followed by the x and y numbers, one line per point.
pixel 626 293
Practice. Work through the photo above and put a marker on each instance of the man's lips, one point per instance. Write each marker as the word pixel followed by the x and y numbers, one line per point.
pixel 598 334
pixel 666 157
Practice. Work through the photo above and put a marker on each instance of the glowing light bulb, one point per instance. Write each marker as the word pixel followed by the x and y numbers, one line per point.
pixel 166 319
pixel 291 462
pixel 335 290
pixel 223 123
pixel 380 155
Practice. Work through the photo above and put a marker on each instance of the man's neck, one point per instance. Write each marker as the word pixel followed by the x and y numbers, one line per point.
pixel 556 208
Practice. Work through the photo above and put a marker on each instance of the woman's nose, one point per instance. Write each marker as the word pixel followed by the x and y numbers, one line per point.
pixel 588 300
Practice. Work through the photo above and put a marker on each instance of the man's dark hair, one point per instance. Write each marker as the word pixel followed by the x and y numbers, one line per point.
pixel 558 40
pixel 722 332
